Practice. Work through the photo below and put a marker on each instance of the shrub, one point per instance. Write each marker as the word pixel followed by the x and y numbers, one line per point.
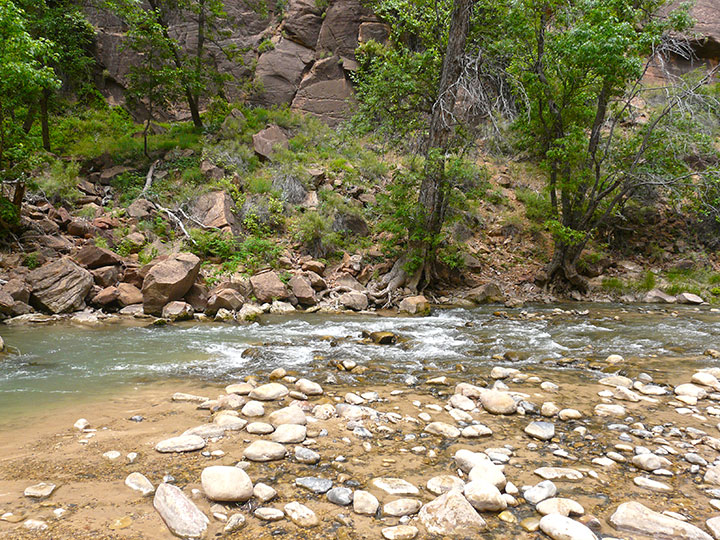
pixel 537 205
pixel 211 243
pixel 60 181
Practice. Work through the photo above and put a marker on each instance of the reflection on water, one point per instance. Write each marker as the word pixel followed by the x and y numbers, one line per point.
pixel 62 361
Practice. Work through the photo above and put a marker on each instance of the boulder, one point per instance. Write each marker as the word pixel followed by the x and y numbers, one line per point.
pixel 341 25
pixel 291 188
pixel 129 295
pixel 489 292
pixel 106 296
pixel 268 287
pixel 94 257
pixel 634 517
pixel 18 289
pixel 656 296
pixel 265 141
pixel 350 224
pixel 302 290
pixel 179 513
pixel 302 22
pixel 217 209
pixel 141 209
pixel 222 483
pixel 325 92
pixel 415 305
pixel 689 298
pixel 452 515
pixel 228 299
pixel 265 451
pixel 178 311
pixel 106 276
pixel 60 286
pixel 355 300
pixel 197 297
pixel 280 71
pixel 169 280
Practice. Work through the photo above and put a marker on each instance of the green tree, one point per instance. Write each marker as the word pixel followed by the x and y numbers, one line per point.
pixel 24 73
pixel 169 63
pixel 578 68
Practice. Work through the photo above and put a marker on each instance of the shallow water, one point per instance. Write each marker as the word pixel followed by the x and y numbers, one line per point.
pixel 63 363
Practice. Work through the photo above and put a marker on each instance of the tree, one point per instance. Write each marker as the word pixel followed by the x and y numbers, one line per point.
pixel 578 68
pixel 24 73
pixel 166 61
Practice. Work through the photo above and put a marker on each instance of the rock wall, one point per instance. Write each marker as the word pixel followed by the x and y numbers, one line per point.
pixel 302 56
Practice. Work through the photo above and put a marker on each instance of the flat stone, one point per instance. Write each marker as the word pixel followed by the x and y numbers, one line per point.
pixel 438 485
pixel 395 486
pixel 138 482
pixel 402 507
pixel 484 496
pixel 442 429
pixel 263 492
pixel 451 514
pixel 183 443
pixel 558 473
pixel 559 527
pixel 603 409
pixel 259 428
pixel 301 515
pixel 265 451
pixel 269 392
pixel 288 415
pixel 341 496
pixel 543 431
pixel 464 403
pixel 241 389
pixel 475 431
pixel 634 517
pixel 314 484
pixel 650 462
pixel 234 523
pixel 713 525
pixel 309 388
pixel 222 483
pixel 289 434
pixel 269 514
pixel 541 491
pixel 35 525
pixel 205 431
pixel 365 503
pixel 496 402
pixel 40 491
pixel 559 505
pixel 179 513
pixel 399 532
pixel 653 485
pixel 190 398
pixel 306 455
pixel 253 409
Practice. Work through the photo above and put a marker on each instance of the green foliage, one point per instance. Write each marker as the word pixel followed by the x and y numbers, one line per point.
pixel 253 253
pixel 648 281
pixel 60 181
pixel 451 255
pixel 314 232
pixel 211 243
pixel 32 260
pixel 101 242
pixel 129 185
pixel 9 215
pixel 613 284
pixel 537 205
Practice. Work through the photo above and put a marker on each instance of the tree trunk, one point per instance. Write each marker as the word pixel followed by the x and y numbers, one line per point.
pixel 563 267
pixel 30 118
pixel 44 119
pixel 432 199
pixel 145 137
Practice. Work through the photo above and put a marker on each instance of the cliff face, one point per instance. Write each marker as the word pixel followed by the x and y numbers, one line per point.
pixel 307 51
pixel 306 54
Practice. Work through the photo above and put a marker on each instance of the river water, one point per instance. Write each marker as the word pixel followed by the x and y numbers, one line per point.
pixel 62 363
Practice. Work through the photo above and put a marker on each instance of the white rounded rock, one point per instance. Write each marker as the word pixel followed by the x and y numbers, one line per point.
pixel 222 483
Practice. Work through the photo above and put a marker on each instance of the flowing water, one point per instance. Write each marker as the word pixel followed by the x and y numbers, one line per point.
pixel 63 363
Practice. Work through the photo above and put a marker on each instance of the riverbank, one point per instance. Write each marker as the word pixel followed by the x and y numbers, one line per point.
pixel 601 441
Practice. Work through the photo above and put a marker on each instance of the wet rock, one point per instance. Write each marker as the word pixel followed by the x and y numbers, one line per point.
pixel 395 486
pixel 228 299
pixel 713 525
pixel 540 492
pixel 651 484
pixel 401 507
pixel 183 443
pixel 496 402
pixel 543 431
pixel 475 431
pixel 302 290
pixel 414 305
pixel 40 491
pixel 179 513
pixel 269 514
pixel 269 392
pixel 484 496
pixel 488 471
pixel 603 409
pixel 451 514
pixel 558 473
pixel 399 532
pixel 314 484
pixel 189 398
pixel 138 482
pixel 559 527
pixel 288 415
pixel 442 429
pixel 634 517
pixel 169 280
pixel 265 451
pixel 230 484
pixel 301 515
pixel 307 456
pixel 558 505
pixel 438 485
pixel 289 434
pixel 341 496
pixel 365 503
pixel 178 311
pixel 268 287
pixel 60 286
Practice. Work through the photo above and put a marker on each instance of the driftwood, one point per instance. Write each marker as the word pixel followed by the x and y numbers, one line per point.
pixel 149 177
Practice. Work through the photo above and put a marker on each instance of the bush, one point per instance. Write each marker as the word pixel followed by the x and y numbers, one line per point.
pixel 60 181
pixel 210 243
pixel 537 205
pixel 253 253
pixel 313 230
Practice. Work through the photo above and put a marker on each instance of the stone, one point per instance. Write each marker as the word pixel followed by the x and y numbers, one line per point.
pixel 265 451
pixel 558 473
pixel 309 388
pixel 484 496
pixel 543 431
pixel 414 305
pixel 40 491
pixel 634 517
pixel 259 428
pixel 650 462
pixel 438 485
pixel 253 409
pixel 314 484
pixel 60 286
pixel 691 390
pixel 603 409
pixel 138 482
pixel 302 290
pixel 306 455
pixel 442 429
pixel 228 299
pixel 559 527
pixel 653 485
pixel 689 298
pixel 489 292
pixel 288 415
pixel 301 515
pixel 183 443
pixel 488 471
pixel 263 492
pixel 713 525
pixel 269 392
pixel 234 523
pixel 569 414
pixel 179 513
pixel 269 514
pixel 712 475
pixel 496 402
pixel 205 431
pixel 302 22
pixel 231 484
pixel 354 300
pixel 399 532
pixel 451 514
pixel 325 92
pixel 395 486
pixel 140 209
pixel 268 287
pixel 365 503
pixel 92 257
pixel 35 525
pixel 289 434
pixel 112 455
pixel 656 296
pixel 341 496
pixel 128 295
pixel 280 71
pixel 558 505
pixel 401 507
pixel 81 424
pixel 216 209
pixel 169 280
pixel 541 491
pixel 475 431
pixel 266 141
pixel 178 311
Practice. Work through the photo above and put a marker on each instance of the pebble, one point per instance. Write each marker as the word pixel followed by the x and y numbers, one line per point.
pixel 314 484
pixel 265 451
pixel 269 392
pixel 558 505
pixel 559 527
pixel 138 482
pixel 438 485
pixel 402 507
pixel 309 388
pixel 81 424
pixel 341 496
pixel 227 484
pixel 289 434
pixel 484 496
pixel 540 492
pixel 253 409
pixel 442 429
pixel 112 455
pixel 288 415
pixel 269 514
pixel 40 491
pixel 558 473
pixel 306 455
pixel 259 428
pixel 395 486
pixel 543 431
pixel 234 523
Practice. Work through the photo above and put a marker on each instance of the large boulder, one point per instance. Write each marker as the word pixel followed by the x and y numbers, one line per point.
pixel 228 299
pixel 656 296
pixel 268 287
pixel 451 515
pixel 217 209
pixel 169 280
pixel 95 257
pixel 60 286
pixel 350 224
pixel 280 71
pixel 266 141
pixel 325 92
pixel 489 292
pixel 303 290
pixel 129 294
pixel 341 26
pixel 303 19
